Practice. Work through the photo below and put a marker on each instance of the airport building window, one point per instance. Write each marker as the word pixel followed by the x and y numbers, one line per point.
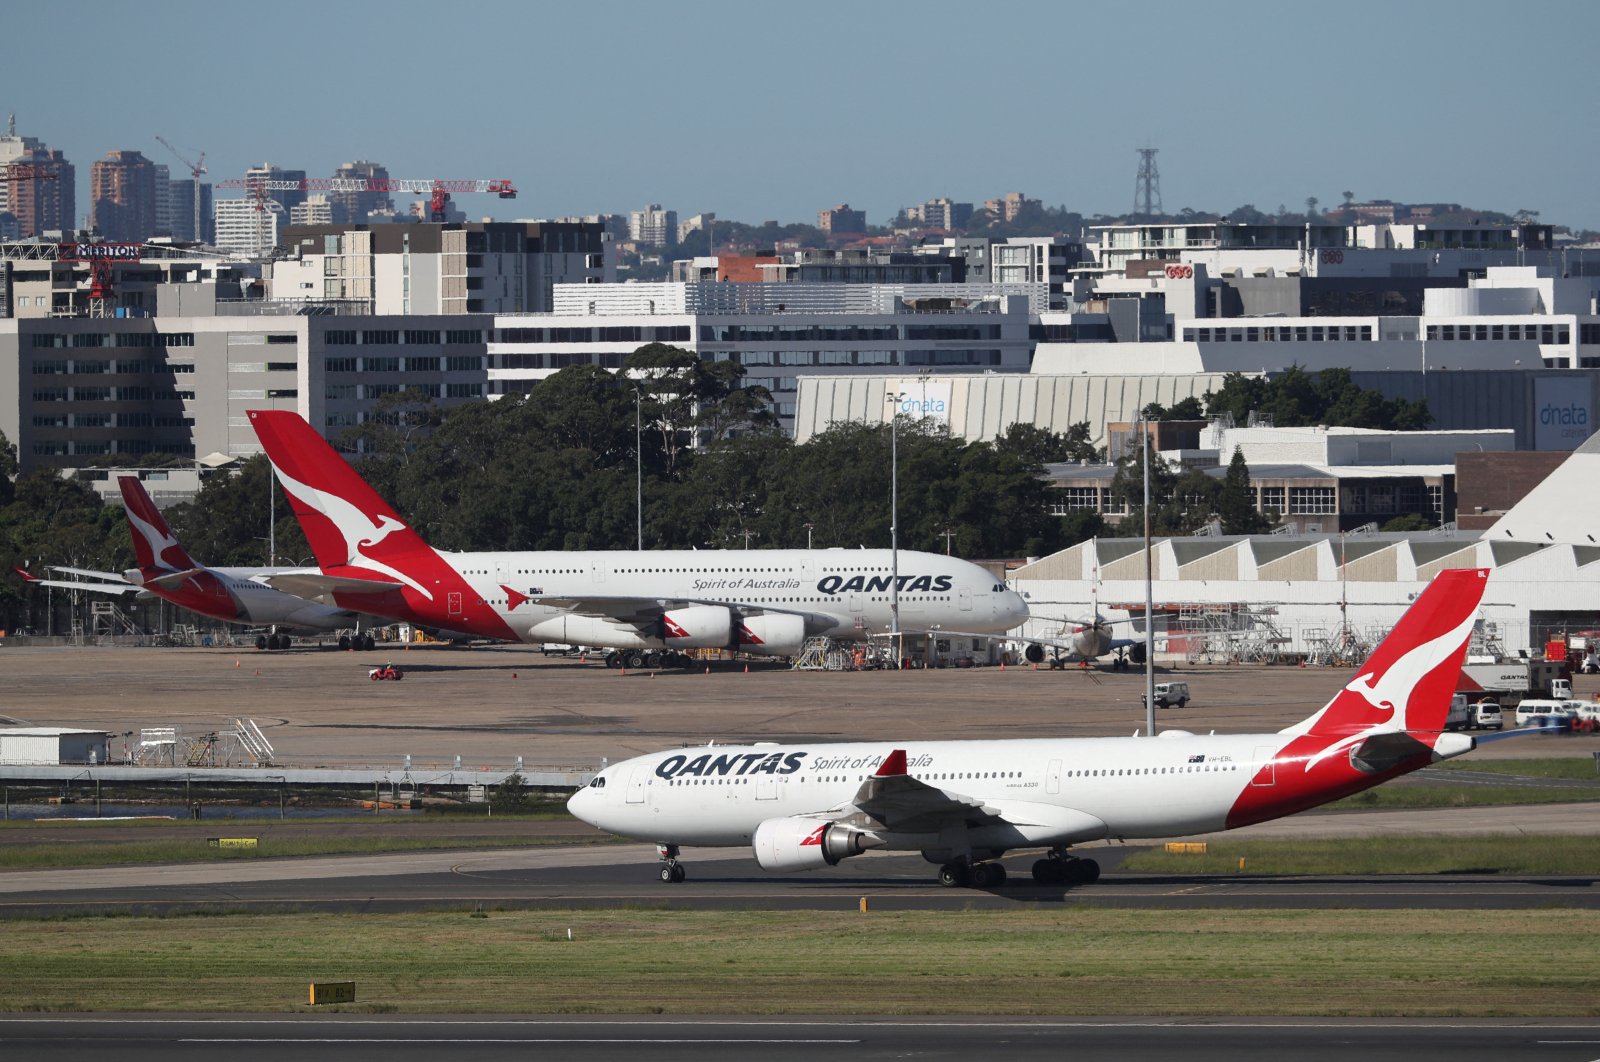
pixel 338 337
pixel 380 337
pixel 463 363
pixel 422 337
pixel 340 365
pixel 380 364
pixel 1312 500
pixel 430 364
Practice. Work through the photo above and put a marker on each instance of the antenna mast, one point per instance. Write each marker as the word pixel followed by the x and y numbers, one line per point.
pixel 1147 186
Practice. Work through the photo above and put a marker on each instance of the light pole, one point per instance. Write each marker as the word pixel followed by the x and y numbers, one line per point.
pixel 893 401
pixel 948 534
pixel 1149 587
pixel 808 534
pixel 638 469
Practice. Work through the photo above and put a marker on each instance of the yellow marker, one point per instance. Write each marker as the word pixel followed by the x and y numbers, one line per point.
pixel 231 842
pixel 1186 847
pixel 333 992
pixel 863 905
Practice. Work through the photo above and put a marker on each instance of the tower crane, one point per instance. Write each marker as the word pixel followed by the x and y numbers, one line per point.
pixel 197 169
pixel 438 191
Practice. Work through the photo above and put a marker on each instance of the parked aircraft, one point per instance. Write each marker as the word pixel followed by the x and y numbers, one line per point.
pixel 235 595
pixel 647 606
pixel 964 804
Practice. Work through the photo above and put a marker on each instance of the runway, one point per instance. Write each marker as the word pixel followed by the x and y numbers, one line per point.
pixel 359 1039
pixel 607 875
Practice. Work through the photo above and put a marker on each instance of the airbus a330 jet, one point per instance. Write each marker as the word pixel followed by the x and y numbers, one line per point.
pixel 964 804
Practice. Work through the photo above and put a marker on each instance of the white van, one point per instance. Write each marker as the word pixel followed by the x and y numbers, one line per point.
pixel 1546 708
pixel 1169 694
pixel 1486 716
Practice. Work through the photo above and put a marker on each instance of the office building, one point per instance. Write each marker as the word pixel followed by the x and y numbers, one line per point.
pixel 354 208
pixel 654 226
pixel 244 229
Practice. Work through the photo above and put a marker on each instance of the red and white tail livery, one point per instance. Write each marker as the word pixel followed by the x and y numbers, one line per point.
pixel 646 606
pixel 963 804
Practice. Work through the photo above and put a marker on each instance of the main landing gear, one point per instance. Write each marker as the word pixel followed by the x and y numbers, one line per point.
pixel 959 874
pixel 272 641
pixel 672 872
pixel 359 642
pixel 1058 868
pixel 636 659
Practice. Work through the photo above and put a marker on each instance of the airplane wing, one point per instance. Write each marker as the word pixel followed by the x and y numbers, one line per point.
pixel 120 586
pixel 639 610
pixel 315 586
pixel 115 577
pixel 893 800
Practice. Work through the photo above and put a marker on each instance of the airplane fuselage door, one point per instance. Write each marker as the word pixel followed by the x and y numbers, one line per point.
pixel 453 602
pixel 1266 771
pixel 636 785
pixel 966 600
pixel 1052 777
pixel 502 571
pixel 766 787
pixel 855 602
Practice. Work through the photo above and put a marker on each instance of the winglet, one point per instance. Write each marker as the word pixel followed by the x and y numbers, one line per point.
pixel 893 764
pixel 20 570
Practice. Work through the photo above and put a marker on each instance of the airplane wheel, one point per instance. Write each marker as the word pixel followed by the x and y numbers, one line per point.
pixel 953 875
pixel 1085 872
pixel 613 659
pixel 666 873
pixel 988 875
pixel 261 641
pixel 368 642
pixel 344 642
pixel 1047 871
pixel 652 660
pixel 635 659
pixel 678 873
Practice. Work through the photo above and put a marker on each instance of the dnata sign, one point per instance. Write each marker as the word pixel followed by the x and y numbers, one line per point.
pixel 921 398
pixel 1563 416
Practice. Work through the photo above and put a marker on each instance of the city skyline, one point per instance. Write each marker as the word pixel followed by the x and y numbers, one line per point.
pixel 778 115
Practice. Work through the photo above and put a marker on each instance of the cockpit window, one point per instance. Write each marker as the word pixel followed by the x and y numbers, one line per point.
pixel 599 782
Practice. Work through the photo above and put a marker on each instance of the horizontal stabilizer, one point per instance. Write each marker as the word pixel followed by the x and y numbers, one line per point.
pixel 315 586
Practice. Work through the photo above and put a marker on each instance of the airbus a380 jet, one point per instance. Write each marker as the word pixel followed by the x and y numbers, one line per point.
pixel 235 595
pixel 964 804
pixel 643 604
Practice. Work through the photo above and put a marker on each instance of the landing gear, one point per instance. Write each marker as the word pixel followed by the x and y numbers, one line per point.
pixel 652 659
pixel 672 872
pixel 1061 869
pixel 261 641
pixel 613 659
pixel 959 874
pixel 634 659
pixel 344 642
pixel 271 642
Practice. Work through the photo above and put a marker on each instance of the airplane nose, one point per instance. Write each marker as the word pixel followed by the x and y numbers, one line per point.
pixel 1016 609
pixel 581 804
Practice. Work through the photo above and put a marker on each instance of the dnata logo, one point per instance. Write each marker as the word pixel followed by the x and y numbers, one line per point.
pixel 1570 416
pixel 922 407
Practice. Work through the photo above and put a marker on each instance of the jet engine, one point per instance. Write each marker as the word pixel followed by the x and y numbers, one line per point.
pixel 697 627
pixel 806 844
pixel 772 634
pixel 1034 653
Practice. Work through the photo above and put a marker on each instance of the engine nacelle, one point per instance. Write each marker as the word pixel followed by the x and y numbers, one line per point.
pixel 806 844
pixel 697 627
pixel 772 634
pixel 1034 653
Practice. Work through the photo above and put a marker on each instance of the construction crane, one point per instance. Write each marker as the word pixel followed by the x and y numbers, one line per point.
pixel 438 191
pixel 197 170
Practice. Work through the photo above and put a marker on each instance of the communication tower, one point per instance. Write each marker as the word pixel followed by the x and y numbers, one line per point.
pixel 1147 186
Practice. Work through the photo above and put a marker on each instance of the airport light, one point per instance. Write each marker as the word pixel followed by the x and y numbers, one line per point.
pixel 638 468
pixel 808 534
pixel 1149 586
pixel 893 400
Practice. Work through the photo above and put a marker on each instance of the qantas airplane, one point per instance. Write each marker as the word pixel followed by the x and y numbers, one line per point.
pixel 647 606
pixel 235 595
pixel 964 804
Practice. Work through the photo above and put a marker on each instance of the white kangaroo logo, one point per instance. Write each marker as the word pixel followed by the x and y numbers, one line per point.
pixel 1391 692
pixel 357 528
pixel 159 541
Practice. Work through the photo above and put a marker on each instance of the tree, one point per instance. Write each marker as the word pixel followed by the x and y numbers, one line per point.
pixel 227 521
pixel 1236 500
pixel 8 469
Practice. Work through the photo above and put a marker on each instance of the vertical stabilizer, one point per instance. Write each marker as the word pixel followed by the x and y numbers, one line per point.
pixel 154 544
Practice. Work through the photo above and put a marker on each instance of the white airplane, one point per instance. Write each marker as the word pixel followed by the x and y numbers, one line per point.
pixel 964 804
pixel 234 595
pixel 648 606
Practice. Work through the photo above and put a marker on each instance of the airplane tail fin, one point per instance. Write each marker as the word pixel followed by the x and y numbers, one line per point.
pixel 345 521
pixel 1407 682
pixel 156 547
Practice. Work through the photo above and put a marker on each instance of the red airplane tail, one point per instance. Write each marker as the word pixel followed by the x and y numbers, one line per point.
pixel 1407 682
pixel 348 525
pixel 154 544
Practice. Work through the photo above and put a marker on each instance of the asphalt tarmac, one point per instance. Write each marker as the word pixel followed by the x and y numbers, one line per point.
pixel 387 1038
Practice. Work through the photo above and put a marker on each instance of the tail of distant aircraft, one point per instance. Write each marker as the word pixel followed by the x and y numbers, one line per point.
pixel 346 523
pixel 154 544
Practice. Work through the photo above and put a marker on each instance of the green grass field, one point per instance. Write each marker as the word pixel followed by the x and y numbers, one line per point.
pixel 1016 961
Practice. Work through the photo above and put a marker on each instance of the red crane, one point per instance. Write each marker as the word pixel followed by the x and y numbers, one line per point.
pixel 438 191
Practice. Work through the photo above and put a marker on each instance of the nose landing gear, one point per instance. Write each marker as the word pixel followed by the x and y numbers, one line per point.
pixel 672 872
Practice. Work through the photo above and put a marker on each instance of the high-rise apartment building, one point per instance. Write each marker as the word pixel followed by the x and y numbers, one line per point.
pixel 163 201
pixel 268 172
pixel 122 196
pixel 354 207
pixel 316 210
pixel 654 225
pixel 183 211
pixel 841 219
pixel 242 229
pixel 39 194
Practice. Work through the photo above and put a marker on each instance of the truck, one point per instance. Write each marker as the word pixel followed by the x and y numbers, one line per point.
pixel 1508 680
pixel 1467 714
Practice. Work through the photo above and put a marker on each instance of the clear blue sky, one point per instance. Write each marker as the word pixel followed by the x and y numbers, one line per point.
pixel 764 111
